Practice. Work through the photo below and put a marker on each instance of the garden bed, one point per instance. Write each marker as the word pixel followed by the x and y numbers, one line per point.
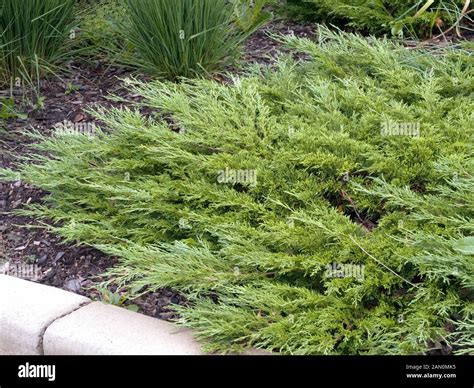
pixel 313 198
pixel 72 267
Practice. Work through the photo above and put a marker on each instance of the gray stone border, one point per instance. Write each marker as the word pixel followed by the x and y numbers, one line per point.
pixel 41 320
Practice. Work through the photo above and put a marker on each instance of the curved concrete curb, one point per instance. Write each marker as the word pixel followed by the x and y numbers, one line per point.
pixel 41 320
pixel 26 310
pixel 36 320
pixel 99 329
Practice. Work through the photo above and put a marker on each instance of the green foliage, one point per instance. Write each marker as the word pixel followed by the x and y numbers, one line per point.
pixel 417 17
pixel 252 257
pixel 115 299
pixel 250 14
pixel 169 45
pixel 7 109
pixel 465 246
pixel 99 29
pixel 463 336
pixel 7 174
pixel 33 36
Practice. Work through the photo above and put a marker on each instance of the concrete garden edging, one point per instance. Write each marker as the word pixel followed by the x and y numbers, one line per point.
pixel 41 320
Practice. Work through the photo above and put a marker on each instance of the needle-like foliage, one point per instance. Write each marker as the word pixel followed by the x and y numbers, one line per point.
pixel 418 18
pixel 283 208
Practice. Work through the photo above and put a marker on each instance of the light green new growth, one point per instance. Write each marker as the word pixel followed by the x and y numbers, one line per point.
pixel 253 259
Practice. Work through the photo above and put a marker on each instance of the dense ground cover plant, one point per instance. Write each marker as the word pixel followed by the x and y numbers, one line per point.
pixel 99 29
pixel 185 38
pixel 33 37
pixel 252 199
pixel 416 17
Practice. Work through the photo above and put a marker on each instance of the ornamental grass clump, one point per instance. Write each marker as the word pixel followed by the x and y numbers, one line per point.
pixel 34 35
pixel 322 207
pixel 188 38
